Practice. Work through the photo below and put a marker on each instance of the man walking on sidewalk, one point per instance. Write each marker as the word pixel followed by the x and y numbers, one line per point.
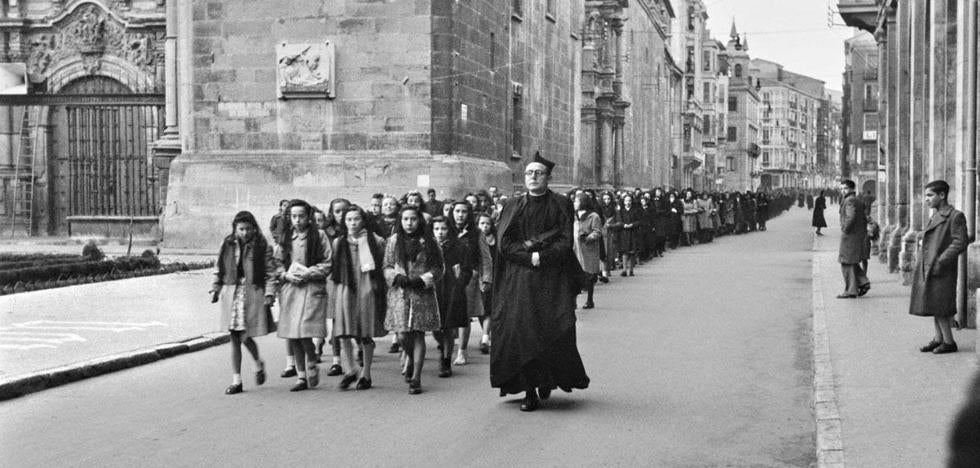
pixel 854 247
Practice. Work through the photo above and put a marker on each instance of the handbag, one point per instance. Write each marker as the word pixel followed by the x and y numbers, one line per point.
pixel 270 320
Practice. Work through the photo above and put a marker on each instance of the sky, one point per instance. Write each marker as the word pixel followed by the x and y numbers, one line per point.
pixel 793 33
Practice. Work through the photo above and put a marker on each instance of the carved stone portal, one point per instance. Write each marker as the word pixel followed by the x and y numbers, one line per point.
pixel 89 33
pixel 305 70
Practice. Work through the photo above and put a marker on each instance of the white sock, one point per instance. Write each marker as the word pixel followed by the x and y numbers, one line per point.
pixel 485 339
pixel 336 360
pixel 290 361
pixel 301 374
pixel 259 365
pixel 236 379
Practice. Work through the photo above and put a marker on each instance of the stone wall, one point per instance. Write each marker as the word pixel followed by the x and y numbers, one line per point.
pixel 404 68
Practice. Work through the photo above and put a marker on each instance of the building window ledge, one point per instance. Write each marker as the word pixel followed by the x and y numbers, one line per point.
pixel 516 16
pixel 550 17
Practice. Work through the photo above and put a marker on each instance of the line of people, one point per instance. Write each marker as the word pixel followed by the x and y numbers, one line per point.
pixel 410 265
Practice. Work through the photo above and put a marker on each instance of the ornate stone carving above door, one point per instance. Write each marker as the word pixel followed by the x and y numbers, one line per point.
pixel 90 34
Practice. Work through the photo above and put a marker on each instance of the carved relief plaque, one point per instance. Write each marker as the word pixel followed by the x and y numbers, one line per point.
pixel 305 70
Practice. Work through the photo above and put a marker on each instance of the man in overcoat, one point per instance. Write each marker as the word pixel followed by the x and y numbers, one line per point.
pixel 853 242
pixel 535 284
pixel 934 275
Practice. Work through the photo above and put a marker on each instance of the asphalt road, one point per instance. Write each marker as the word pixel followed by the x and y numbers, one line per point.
pixel 702 359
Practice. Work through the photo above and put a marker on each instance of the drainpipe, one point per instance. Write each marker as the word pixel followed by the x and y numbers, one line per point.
pixel 968 279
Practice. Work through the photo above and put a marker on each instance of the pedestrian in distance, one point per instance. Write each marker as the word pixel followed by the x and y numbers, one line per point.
pixel 853 243
pixel 356 295
pixel 412 267
pixel 304 262
pixel 588 238
pixel 534 348
pixel 279 223
pixel 935 272
pixel 818 221
pixel 245 285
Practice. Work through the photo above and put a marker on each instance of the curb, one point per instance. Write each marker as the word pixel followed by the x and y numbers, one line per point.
pixel 48 378
pixel 830 442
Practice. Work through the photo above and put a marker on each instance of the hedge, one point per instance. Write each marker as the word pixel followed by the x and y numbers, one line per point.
pixel 115 274
pixel 88 268
pixel 23 257
pixel 15 265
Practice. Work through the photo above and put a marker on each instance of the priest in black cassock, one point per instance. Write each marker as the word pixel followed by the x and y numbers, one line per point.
pixel 535 284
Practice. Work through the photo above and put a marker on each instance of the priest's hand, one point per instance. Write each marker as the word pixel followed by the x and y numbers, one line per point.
pixel 536 259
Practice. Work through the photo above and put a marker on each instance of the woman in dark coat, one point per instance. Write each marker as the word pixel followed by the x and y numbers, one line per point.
pixel 935 272
pixel 819 205
pixel 630 219
pixel 660 222
pixel 646 208
pixel 675 210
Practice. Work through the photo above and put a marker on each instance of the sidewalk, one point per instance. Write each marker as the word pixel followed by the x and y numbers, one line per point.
pixel 58 335
pixel 895 404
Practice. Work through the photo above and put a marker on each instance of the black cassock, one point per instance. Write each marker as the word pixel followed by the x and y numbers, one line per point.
pixel 533 315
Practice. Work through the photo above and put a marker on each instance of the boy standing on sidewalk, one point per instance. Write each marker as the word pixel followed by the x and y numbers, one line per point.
pixel 934 275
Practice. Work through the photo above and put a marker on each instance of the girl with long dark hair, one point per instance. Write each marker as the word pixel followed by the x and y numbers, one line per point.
pixel 412 267
pixel 245 285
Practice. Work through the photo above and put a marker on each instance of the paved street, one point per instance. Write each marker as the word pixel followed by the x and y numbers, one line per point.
pixel 60 326
pixel 702 359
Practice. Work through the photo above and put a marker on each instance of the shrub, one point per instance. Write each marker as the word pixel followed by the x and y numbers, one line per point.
pixel 92 251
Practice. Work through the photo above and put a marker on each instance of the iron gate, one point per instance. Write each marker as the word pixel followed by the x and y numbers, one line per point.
pixel 109 165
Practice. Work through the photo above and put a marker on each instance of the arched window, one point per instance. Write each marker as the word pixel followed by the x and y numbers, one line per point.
pixel 738 70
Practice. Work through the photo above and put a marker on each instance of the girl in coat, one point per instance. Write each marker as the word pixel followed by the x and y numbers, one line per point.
pixel 706 209
pixel 689 221
pixel 478 252
pixel 488 233
pixel 334 229
pixel 630 221
pixel 588 237
pixel 944 238
pixel 610 235
pixel 675 212
pixel 357 294
pixel 412 267
pixel 304 260
pixel 245 284
pixel 451 289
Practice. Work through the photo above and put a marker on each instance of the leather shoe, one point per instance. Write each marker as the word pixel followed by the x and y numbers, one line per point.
pixel 931 346
pixel 288 372
pixel 395 348
pixel 335 370
pixel 531 402
pixel 233 389
pixel 484 348
pixel 260 377
pixel 544 393
pixel 945 348
pixel 300 385
pixel 864 289
pixel 346 381
pixel 445 368
pixel 363 384
pixel 846 296
pixel 588 305
pixel 415 387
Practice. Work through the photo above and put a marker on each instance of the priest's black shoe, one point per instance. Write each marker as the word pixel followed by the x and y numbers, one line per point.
pixel 945 348
pixel 531 402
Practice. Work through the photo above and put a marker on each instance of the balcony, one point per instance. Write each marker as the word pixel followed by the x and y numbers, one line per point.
pixel 861 14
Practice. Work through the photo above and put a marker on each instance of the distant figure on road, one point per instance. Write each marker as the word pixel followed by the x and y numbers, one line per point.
pixel 245 284
pixel 854 247
pixel 819 221
pixel 533 316
pixel 934 276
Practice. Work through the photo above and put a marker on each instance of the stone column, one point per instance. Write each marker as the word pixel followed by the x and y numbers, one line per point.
pixel 883 194
pixel 917 135
pixel 895 231
pixel 967 71
pixel 169 145
pixel 585 169
pixel 617 28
